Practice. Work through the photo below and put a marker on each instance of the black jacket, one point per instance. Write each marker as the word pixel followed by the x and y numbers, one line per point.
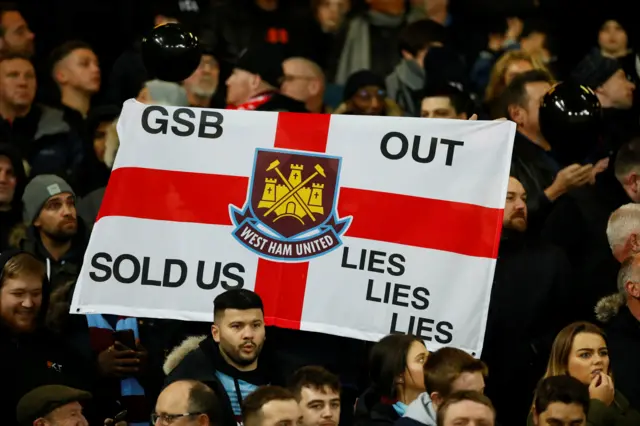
pixel 45 141
pixel 530 301
pixel 578 224
pixel 371 411
pixel 198 358
pixel 281 103
pixel 623 341
pixel 34 359
pixel 535 169
pixel 66 269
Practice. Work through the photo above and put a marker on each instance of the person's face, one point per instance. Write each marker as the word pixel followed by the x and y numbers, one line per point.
pixel 17 82
pixel 281 413
pixel 8 181
pixel 240 87
pixel 331 13
pixel 204 81
pixel 589 357
pixel 172 404
pixel 100 139
pixel 612 38
pixel 515 208
pixel 67 415
pixel 18 38
pixel 618 90
pixel 468 381
pixel 240 334
pixel 529 116
pixel 299 83
pixel 515 68
pixel 439 107
pixel 388 7
pixel 20 301
pixel 413 377
pixel 561 414
pixel 319 407
pixel 80 70
pixel 58 219
pixel 468 413
pixel 369 100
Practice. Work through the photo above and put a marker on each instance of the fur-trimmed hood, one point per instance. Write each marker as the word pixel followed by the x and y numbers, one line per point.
pixel 609 306
pixel 178 353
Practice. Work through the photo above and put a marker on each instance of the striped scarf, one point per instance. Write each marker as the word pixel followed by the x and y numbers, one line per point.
pixel 131 392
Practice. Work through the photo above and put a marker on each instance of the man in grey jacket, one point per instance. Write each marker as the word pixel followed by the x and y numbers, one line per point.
pixel 407 80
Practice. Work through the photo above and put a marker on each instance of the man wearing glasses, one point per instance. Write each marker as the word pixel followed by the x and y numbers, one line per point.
pixel 365 94
pixel 188 403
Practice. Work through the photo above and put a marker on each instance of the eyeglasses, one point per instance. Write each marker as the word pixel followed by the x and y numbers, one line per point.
pixel 368 95
pixel 167 419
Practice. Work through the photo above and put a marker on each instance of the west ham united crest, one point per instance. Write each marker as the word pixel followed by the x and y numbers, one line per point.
pixel 290 212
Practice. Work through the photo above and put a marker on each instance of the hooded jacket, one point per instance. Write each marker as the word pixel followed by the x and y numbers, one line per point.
pixel 199 358
pixel 45 141
pixel 12 217
pixel 420 412
pixel 68 267
pixel 623 340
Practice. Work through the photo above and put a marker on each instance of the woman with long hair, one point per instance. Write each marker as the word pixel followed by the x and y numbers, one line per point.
pixel 396 365
pixel 580 350
pixel 509 65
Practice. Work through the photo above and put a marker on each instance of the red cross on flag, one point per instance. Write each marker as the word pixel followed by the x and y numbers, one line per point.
pixel 346 225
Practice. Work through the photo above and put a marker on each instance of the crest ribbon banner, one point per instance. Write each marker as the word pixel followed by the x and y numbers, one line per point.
pixel 346 225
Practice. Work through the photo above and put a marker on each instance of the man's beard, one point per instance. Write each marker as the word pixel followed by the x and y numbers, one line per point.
pixel 203 91
pixel 61 235
pixel 233 353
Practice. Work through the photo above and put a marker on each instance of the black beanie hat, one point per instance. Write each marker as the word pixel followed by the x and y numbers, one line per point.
pixel 360 79
pixel 264 60
pixel 594 70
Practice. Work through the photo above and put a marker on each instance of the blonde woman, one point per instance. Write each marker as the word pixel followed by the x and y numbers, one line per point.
pixel 509 65
pixel 580 350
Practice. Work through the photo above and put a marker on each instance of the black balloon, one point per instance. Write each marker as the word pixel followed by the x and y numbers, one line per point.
pixel 171 53
pixel 571 120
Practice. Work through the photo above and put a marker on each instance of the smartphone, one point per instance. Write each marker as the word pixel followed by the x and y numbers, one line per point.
pixel 126 337
pixel 120 417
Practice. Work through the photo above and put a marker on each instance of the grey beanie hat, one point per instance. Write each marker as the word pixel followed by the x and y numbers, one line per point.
pixel 167 93
pixel 38 191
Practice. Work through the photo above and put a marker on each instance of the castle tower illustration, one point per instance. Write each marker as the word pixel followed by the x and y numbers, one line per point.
pixel 315 200
pixel 295 177
pixel 269 193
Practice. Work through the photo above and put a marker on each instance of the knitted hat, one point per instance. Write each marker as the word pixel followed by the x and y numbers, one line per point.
pixel 264 60
pixel 360 79
pixel 167 93
pixel 594 70
pixel 44 399
pixel 38 191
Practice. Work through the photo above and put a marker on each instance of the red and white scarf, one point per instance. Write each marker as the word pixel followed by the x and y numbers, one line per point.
pixel 253 103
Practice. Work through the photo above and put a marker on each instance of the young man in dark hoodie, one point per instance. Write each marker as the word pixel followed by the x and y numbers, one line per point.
pixel 30 355
pixel 229 360
pixel 54 233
